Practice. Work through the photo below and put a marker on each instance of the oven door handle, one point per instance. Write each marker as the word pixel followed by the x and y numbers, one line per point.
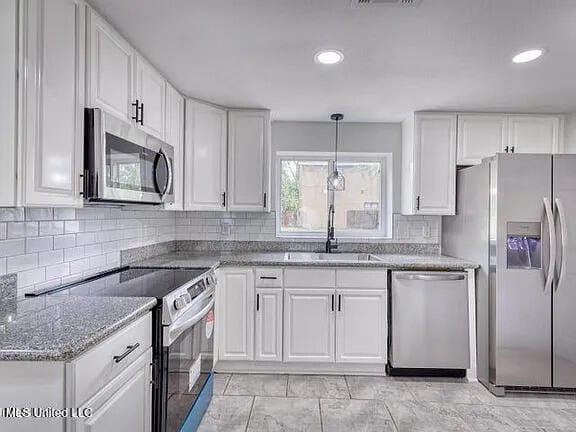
pixel 183 324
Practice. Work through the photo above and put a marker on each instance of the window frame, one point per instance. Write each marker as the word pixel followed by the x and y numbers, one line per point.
pixel 386 191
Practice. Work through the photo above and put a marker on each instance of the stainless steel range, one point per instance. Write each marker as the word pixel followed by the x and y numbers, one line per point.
pixel 183 334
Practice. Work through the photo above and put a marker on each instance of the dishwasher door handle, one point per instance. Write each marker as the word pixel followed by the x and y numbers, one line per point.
pixel 431 277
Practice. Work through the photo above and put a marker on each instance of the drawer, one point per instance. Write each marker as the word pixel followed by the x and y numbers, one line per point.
pixel 268 277
pixel 97 367
pixel 309 278
pixel 362 278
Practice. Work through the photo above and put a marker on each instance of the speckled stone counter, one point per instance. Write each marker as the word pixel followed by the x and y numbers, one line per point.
pixel 59 328
pixel 391 261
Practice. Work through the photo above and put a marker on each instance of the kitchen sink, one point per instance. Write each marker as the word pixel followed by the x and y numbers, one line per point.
pixel 332 257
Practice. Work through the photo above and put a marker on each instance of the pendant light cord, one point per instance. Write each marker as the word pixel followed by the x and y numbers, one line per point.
pixel 336 149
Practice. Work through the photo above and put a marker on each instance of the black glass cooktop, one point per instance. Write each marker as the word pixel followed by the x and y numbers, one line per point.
pixel 131 282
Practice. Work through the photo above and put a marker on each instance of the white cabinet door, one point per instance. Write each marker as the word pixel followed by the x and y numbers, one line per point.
pixel 535 134
pixel 125 404
pixel 110 70
pixel 480 136
pixel 361 326
pixel 8 90
pixel 433 159
pixel 309 325
pixel 151 94
pixel 175 137
pixel 205 168
pixel 268 345
pixel 235 297
pixel 248 160
pixel 53 93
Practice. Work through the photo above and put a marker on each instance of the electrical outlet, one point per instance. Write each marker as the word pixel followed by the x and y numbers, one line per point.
pixel 225 228
pixel 426 231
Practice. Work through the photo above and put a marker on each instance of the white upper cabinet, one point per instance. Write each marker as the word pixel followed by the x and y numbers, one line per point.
pixel 151 95
pixel 268 343
pixel 235 300
pixel 248 160
pixel 175 137
pixel 206 162
pixel 480 136
pixel 53 102
pixel 110 70
pixel 535 134
pixel 429 164
pixel 9 56
pixel 309 325
pixel 361 324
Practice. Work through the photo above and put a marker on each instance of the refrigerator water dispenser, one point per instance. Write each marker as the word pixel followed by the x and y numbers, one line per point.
pixel 523 245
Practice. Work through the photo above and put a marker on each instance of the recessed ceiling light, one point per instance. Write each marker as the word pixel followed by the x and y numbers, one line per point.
pixel 527 56
pixel 329 57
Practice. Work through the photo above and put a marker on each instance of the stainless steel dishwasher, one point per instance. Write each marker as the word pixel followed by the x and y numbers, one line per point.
pixel 429 323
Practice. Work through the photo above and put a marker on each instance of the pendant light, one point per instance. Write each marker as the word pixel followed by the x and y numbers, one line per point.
pixel 336 181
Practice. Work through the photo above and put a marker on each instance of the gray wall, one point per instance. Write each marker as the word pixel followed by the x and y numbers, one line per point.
pixel 354 137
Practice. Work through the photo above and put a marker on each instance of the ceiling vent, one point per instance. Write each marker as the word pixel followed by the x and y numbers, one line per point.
pixel 367 3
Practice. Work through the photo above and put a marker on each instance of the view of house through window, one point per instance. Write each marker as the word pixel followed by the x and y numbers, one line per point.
pixel 361 209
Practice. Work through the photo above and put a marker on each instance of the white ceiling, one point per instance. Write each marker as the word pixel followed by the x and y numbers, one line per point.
pixel 445 54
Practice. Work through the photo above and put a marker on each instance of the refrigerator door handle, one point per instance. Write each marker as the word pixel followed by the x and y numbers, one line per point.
pixel 552 231
pixel 563 239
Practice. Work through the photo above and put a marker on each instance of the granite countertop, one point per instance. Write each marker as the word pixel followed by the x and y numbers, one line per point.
pixel 59 328
pixel 390 261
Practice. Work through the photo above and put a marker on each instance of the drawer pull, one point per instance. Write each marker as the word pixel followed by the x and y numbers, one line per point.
pixel 269 277
pixel 129 349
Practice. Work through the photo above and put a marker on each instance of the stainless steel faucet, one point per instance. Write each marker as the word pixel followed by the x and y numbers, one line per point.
pixel 331 241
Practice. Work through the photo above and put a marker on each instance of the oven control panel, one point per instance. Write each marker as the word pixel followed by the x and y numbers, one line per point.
pixel 180 300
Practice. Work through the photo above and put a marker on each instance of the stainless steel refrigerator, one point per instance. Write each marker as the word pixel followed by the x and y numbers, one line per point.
pixel 516 217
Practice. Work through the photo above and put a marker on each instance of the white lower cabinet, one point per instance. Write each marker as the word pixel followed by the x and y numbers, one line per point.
pixel 110 384
pixel 235 312
pixel 361 323
pixel 302 318
pixel 268 343
pixel 124 404
pixel 309 325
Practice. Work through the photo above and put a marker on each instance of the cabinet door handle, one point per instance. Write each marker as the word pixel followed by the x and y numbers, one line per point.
pixel 257 302
pixel 129 349
pixel 137 106
pixel 332 302
pixel 339 302
pixel 223 199
pixel 265 199
pixel 418 202
pixel 512 149
pixel 506 149
pixel 141 114
pixel 269 277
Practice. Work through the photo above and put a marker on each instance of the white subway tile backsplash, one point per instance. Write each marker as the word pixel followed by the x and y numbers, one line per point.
pixel 50 257
pixel 31 277
pixel 22 229
pixel 12 247
pixel 57 271
pixel 64 213
pixel 3 230
pixel 64 241
pixel 11 214
pixel 39 244
pixel 51 228
pixel 39 214
pixel 22 262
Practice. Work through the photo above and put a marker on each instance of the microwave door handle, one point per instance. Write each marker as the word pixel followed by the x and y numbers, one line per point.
pixel 170 179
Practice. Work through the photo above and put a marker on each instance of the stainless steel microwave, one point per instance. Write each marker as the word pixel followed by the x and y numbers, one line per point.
pixel 123 164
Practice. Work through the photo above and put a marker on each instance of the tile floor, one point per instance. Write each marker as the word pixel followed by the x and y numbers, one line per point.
pixel 287 403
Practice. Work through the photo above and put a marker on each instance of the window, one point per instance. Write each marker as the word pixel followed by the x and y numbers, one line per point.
pixel 362 210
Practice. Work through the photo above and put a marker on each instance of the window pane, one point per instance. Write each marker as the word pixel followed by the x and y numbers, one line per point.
pixel 303 196
pixel 358 205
